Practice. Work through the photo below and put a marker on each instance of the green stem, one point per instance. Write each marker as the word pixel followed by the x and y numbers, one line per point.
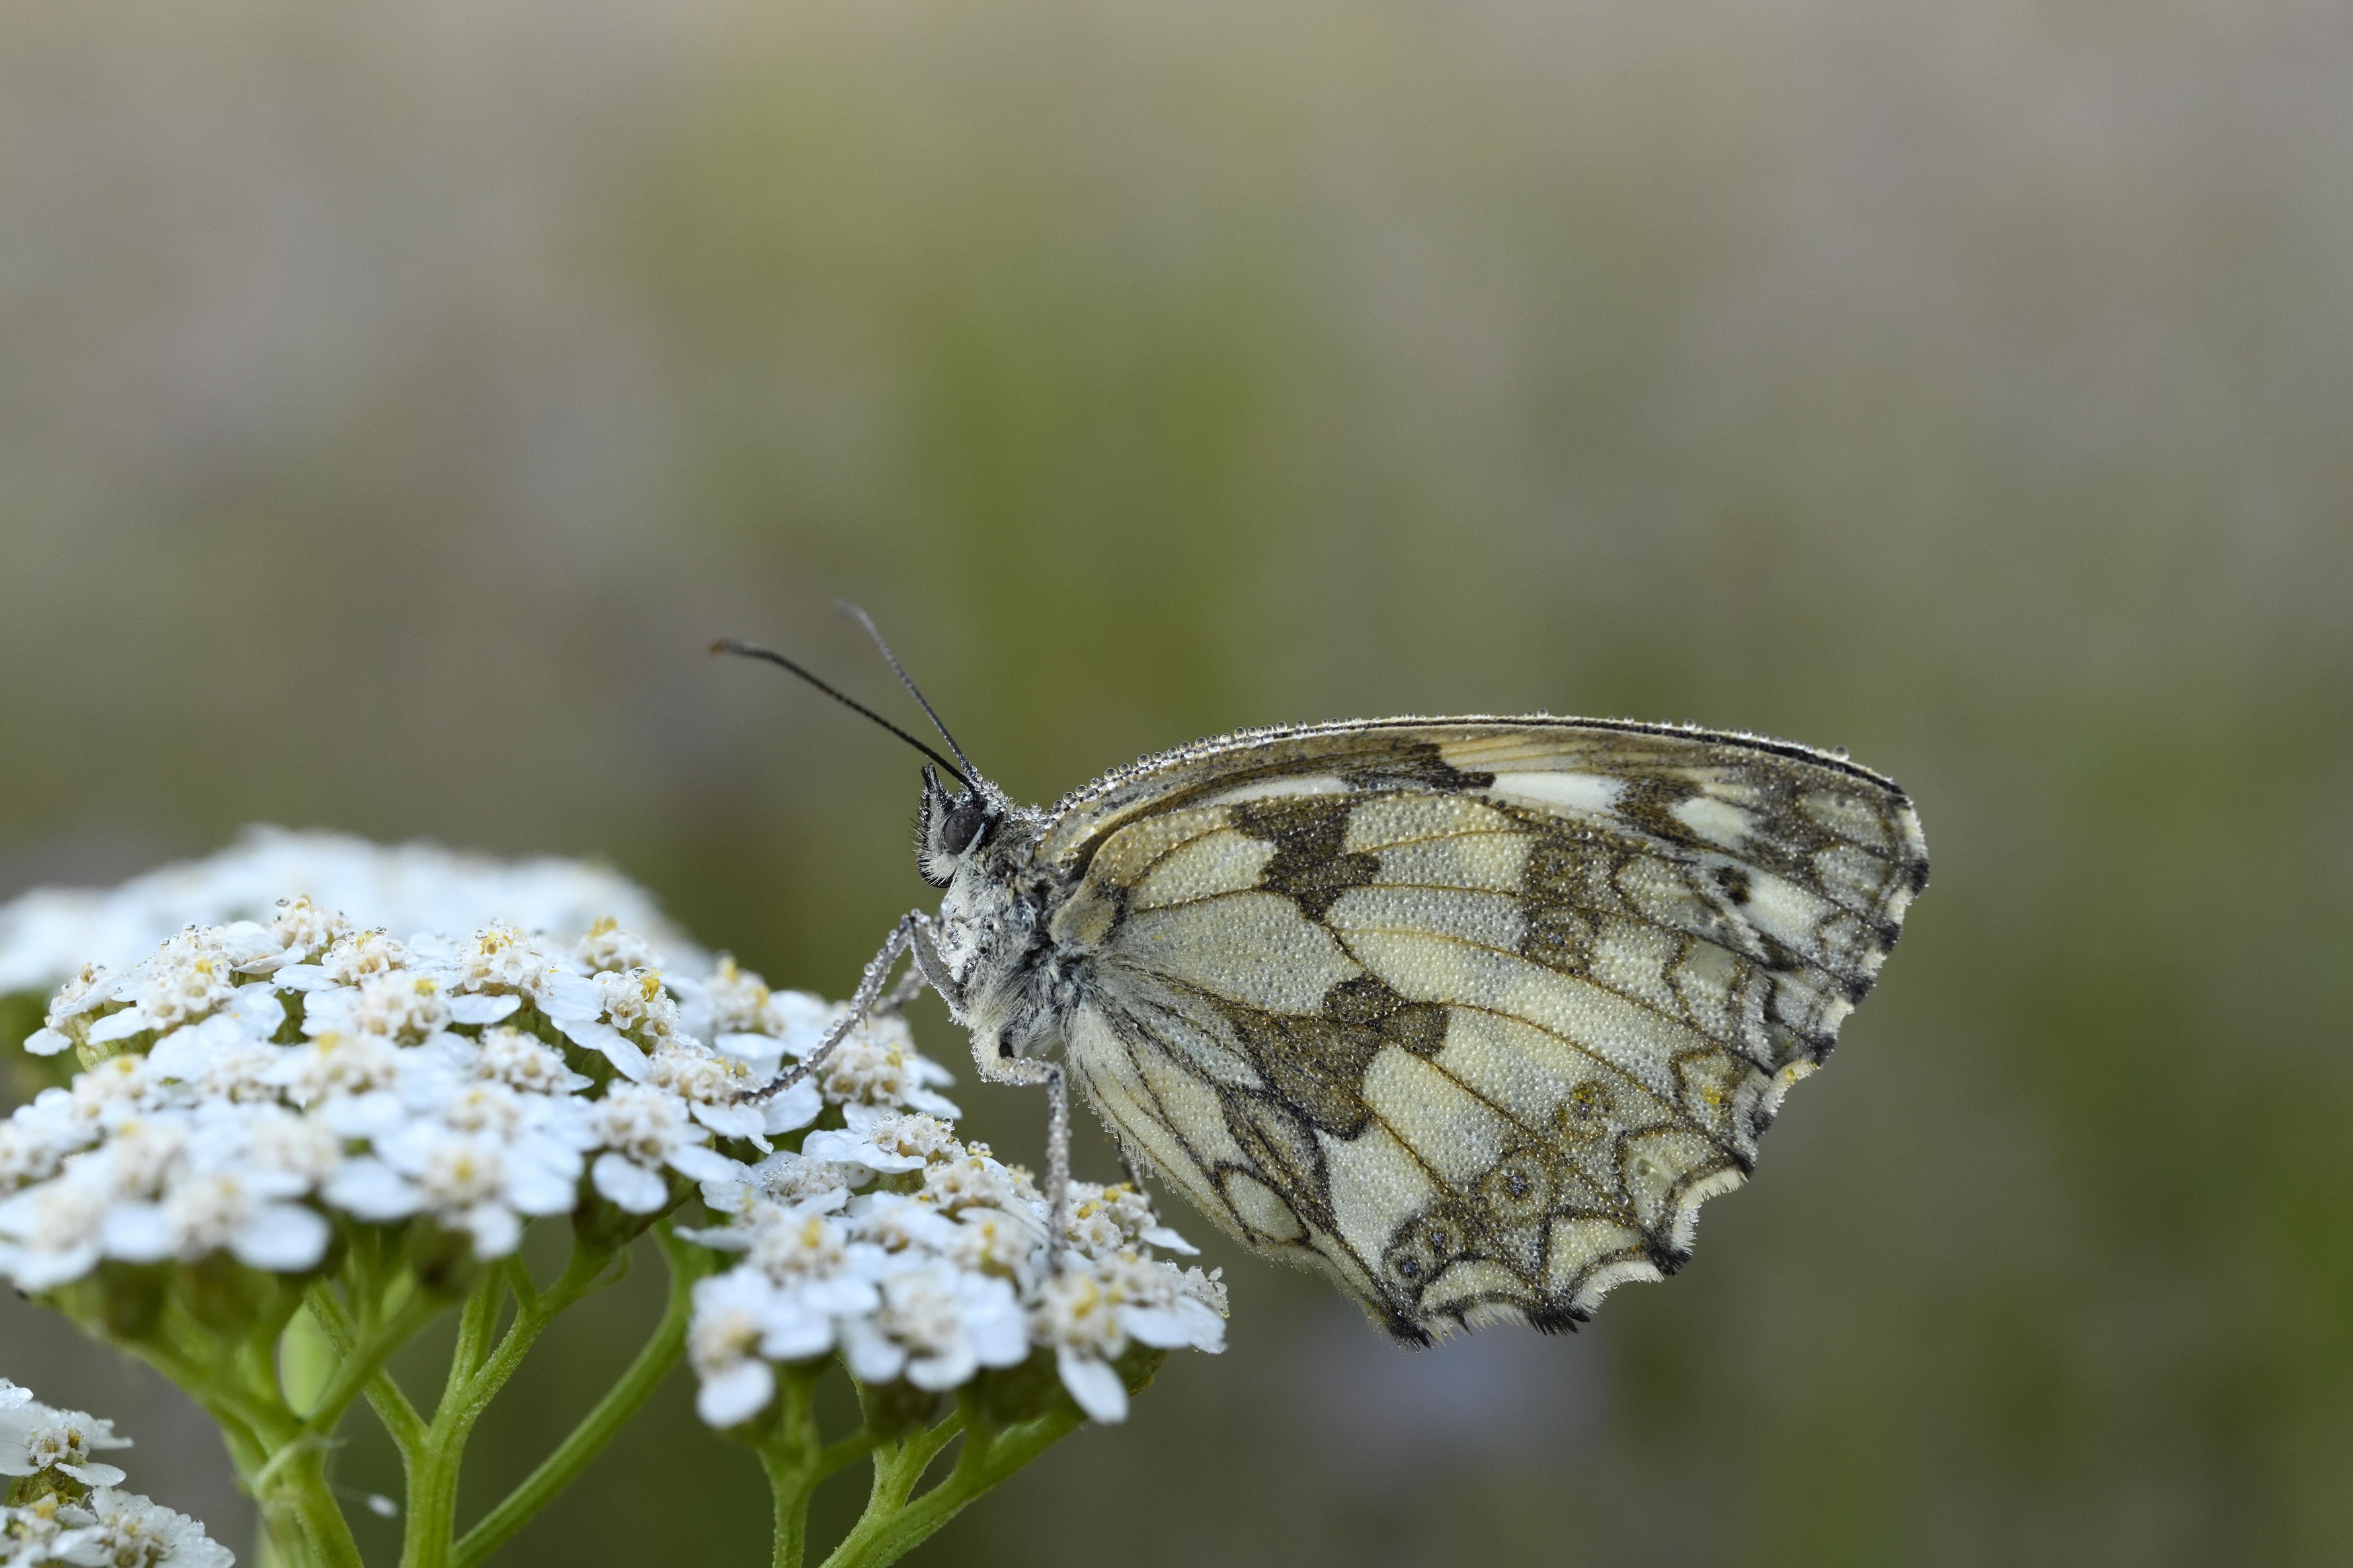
pixel 791 1456
pixel 362 1361
pixel 433 1474
pixel 897 1467
pixel 892 1527
pixel 392 1407
pixel 479 1368
pixel 281 1461
pixel 305 1524
pixel 597 1428
pixel 585 1273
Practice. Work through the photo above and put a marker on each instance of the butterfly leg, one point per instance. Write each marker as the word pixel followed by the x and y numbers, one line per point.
pixel 1031 1071
pixel 912 934
pixel 910 986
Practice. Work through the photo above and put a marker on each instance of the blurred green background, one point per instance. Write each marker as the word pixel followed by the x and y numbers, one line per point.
pixel 395 399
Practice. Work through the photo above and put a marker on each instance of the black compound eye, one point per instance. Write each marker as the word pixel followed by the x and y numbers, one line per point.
pixel 962 825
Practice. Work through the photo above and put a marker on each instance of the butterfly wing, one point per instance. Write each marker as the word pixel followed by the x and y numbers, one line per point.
pixel 1473 1015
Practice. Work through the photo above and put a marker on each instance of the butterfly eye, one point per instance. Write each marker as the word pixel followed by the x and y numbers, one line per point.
pixel 962 825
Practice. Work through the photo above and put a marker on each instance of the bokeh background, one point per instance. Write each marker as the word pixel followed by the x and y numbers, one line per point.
pixel 395 399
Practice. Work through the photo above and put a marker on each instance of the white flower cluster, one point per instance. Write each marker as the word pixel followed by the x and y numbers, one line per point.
pixel 47 934
pixel 915 1257
pixel 251 1085
pixel 74 1514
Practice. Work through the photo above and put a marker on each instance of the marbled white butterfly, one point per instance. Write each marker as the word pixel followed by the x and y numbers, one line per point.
pixel 1470 1014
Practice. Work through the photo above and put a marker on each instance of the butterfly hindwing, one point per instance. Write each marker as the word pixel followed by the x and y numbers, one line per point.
pixel 1473 1015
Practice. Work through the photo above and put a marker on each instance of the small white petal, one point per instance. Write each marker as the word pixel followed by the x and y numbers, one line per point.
pixel 940 1372
pixel 999 1338
pixel 1160 1235
pixel 1095 1388
pixel 374 1115
pixel 328 1010
pixel 1208 1328
pixel 616 1048
pixel 851 1149
pixel 627 1185
pixel 285 1238
pixel 495 1229
pixel 737 1120
pixel 1157 1327
pixel 94 1474
pixel 795 1334
pixel 46 1043
pixel 120 1026
pixel 805 1018
pixel 537 1190
pixel 271 1182
pixel 737 1394
pixel 185 1053
pixel 701 1164
pixel 843 1296
pixel 754 1049
pixel 369 1189
pixel 871 1356
pixel 257 1008
pixel 138 1233
pixel 271 962
pixel 795 1108
pixel 302 977
pixel 246 940
pixel 572 999
pixel 938 1105
pixel 37 1271
pixel 719 1238
pixel 833 1144
pixel 474 1007
pixel 725 1197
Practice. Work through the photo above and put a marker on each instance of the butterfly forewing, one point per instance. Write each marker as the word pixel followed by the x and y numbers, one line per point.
pixel 1473 1013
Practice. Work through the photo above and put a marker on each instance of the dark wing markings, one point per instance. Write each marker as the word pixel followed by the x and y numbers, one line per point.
pixel 1127 1042
pixel 1692 742
pixel 1631 839
pixel 1673 1103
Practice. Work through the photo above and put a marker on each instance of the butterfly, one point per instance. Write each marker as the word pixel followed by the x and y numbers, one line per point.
pixel 1470 1015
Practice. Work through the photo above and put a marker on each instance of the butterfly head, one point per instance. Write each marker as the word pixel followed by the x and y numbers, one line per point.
pixel 951 826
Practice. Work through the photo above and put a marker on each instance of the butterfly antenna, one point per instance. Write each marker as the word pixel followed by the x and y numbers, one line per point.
pixel 742 649
pixel 867 621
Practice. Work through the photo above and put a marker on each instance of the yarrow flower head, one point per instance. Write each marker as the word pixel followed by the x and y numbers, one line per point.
pixel 923 1260
pixel 34 1438
pixel 299 1100
pixel 302 888
pixel 71 1511
pixel 251 1091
